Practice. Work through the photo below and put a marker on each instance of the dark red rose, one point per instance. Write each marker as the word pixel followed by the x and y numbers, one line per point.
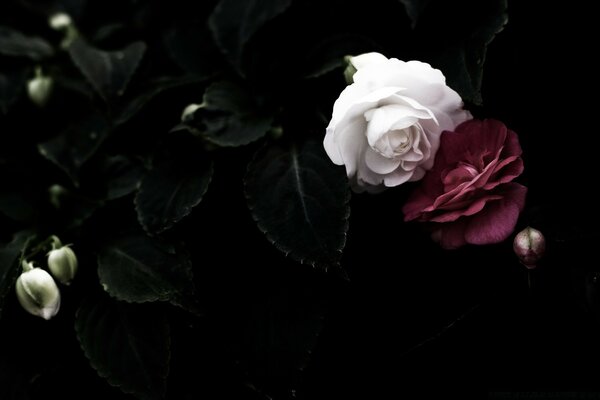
pixel 468 196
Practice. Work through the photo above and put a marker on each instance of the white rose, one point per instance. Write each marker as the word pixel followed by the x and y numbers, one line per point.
pixel 386 126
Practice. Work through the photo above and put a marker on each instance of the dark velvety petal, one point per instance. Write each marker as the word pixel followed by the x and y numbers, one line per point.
pixel 491 137
pixel 473 208
pixel 451 235
pixel 505 172
pixel 497 221
pixel 511 145
pixel 416 203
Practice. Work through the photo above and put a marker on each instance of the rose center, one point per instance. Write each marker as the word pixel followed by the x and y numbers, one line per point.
pixel 463 172
pixel 394 143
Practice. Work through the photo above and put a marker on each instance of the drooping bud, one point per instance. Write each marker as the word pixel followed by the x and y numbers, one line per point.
pixel 62 263
pixel 189 111
pixel 60 21
pixel 529 245
pixel 37 292
pixel 39 88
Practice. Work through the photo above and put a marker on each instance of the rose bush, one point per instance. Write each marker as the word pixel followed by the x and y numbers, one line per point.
pixel 386 126
pixel 468 195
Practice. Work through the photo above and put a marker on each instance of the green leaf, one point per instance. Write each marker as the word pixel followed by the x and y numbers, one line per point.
pixel 109 72
pixel 122 176
pixel 13 382
pixel 10 268
pixel 76 145
pixel 11 86
pixel 128 345
pixel 280 328
pixel 193 50
pixel 154 89
pixel 329 54
pixel 233 23
pixel 229 116
pixel 299 199
pixel 15 44
pixel 138 269
pixel 170 191
pixel 414 9
pixel 462 61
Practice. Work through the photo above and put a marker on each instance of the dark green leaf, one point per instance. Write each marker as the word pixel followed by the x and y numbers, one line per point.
pixel 329 54
pixel 299 199
pixel 280 329
pixel 170 191
pixel 414 9
pixel 10 256
pixel 15 44
pixel 229 116
pixel 13 383
pixel 17 204
pixel 71 149
pixel 11 86
pixel 72 209
pixel 193 50
pixel 138 269
pixel 109 72
pixel 233 23
pixel 122 176
pixel 462 62
pixel 154 90
pixel 128 345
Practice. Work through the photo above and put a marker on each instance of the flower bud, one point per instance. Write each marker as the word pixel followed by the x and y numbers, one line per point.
pixel 189 111
pixel 39 88
pixel 63 264
pixel 60 21
pixel 529 245
pixel 37 293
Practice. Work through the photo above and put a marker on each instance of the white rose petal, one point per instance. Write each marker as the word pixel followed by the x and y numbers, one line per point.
pixel 386 126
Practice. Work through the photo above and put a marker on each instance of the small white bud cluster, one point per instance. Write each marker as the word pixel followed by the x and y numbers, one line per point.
pixel 36 289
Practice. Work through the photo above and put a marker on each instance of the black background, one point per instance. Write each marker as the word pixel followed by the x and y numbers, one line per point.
pixel 401 288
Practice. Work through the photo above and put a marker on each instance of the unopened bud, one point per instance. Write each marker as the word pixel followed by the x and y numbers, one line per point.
pixel 529 245
pixel 39 88
pixel 63 264
pixel 37 293
pixel 189 111
pixel 60 21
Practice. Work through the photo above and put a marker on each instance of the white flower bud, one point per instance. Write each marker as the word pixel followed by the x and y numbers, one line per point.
pixel 37 293
pixel 63 264
pixel 189 111
pixel 60 21
pixel 529 245
pixel 39 88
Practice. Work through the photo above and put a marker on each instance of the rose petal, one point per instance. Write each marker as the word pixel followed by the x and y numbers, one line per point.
pixel 505 172
pixel 473 207
pixel 380 164
pixel 363 60
pixel 452 235
pixel 397 177
pixel 416 203
pixel 497 221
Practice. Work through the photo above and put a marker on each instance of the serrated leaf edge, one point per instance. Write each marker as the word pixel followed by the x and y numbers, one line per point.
pixel 288 252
